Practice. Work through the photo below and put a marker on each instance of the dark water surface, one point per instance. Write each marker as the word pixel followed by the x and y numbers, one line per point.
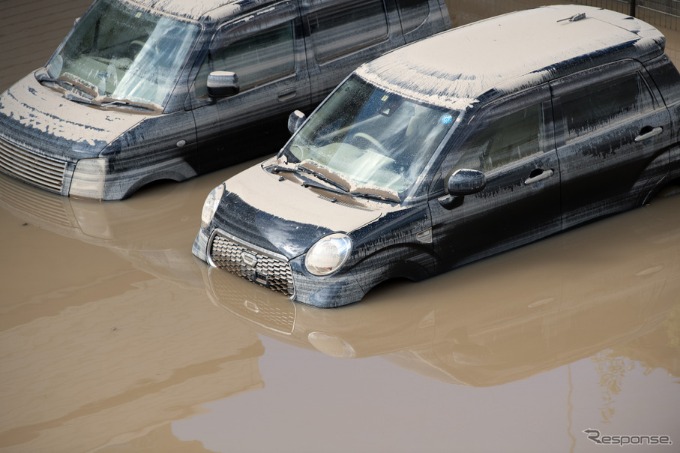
pixel 113 338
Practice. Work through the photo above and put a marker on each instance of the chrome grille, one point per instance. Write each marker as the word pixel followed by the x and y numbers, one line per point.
pixel 44 172
pixel 252 264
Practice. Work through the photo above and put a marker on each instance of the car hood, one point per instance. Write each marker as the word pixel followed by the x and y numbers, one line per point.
pixel 32 114
pixel 282 216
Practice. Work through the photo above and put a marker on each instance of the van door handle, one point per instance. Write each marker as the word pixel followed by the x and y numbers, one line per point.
pixel 538 175
pixel 648 132
pixel 288 95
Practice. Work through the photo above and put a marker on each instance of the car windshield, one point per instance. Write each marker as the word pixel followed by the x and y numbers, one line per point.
pixel 375 140
pixel 120 53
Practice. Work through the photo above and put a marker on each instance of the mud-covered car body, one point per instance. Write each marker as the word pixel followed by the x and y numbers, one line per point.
pixel 141 90
pixel 469 143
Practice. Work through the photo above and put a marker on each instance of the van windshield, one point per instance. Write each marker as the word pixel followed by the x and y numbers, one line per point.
pixel 117 52
pixel 371 138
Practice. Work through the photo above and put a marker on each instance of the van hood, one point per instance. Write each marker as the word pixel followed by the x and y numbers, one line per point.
pixel 41 118
pixel 283 216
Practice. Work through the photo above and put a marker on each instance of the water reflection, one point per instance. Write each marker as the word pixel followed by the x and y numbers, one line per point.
pixel 594 289
pixel 107 337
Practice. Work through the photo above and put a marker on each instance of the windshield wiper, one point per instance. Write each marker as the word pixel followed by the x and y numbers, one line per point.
pixel 372 196
pixel 302 171
pixel 110 102
pixel 43 76
pixel 323 177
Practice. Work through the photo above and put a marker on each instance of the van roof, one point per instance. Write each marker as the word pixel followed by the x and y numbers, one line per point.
pixel 456 68
pixel 200 10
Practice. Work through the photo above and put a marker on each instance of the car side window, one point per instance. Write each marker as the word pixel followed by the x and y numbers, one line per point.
pixel 413 13
pixel 503 140
pixel 598 105
pixel 256 59
pixel 342 28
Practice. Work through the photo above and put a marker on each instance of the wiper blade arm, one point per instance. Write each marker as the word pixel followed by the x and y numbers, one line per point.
pixel 381 195
pixel 323 177
pixel 108 102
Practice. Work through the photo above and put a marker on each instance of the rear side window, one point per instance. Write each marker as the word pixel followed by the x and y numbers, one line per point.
pixel 343 28
pixel 604 104
pixel 413 13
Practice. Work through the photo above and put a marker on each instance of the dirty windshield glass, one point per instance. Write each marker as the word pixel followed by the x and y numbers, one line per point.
pixel 117 52
pixel 371 138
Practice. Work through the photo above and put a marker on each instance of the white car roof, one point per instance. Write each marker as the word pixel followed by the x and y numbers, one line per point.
pixel 455 68
pixel 200 10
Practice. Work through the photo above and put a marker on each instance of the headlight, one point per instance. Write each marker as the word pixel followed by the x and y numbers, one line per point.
pixel 328 254
pixel 88 179
pixel 211 204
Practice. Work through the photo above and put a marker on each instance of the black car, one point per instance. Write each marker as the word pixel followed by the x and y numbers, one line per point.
pixel 143 90
pixel 466 144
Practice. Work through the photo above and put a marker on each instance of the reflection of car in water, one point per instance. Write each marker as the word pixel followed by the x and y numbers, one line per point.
pixel 470 143
pixel 142 91
pixel 503 319
pixel 150 232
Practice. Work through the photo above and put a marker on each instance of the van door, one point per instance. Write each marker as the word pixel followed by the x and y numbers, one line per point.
pixel 266 51
pixel 610 128
pixel 422 18
pixel 511 142
pixel 344 34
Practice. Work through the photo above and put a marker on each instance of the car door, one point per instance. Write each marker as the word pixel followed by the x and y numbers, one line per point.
pixel 341 35
pixel 266 51
pixel 612 131
pixel 511 143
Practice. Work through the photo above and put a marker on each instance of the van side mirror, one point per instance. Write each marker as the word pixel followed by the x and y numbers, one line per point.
pixel 460 183
pixel 295 120
pixel 222 84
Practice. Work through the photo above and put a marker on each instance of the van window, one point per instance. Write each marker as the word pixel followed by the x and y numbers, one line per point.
pixel 604 103
pixel 413 13
pixel 504 140
pixel 256 59
pixel 346 27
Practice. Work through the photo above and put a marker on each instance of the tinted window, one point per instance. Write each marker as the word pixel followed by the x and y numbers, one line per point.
pixel 605 103
pixel 504 140
pixel 349 26
pixel 256 59
pixel 413 13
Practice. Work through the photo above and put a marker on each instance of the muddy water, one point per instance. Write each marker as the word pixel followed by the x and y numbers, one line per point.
pixel 114 338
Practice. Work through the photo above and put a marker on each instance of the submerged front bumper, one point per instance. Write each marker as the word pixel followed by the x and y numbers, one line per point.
pixel 276 272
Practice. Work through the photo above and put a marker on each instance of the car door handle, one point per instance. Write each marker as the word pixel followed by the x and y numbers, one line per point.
pixel 288 95
pixel 538 175
pixel 648 132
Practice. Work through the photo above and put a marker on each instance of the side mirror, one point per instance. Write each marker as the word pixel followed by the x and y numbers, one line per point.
pixel 222 84
pixel 465 182
pixel 460 183
pixel 295 120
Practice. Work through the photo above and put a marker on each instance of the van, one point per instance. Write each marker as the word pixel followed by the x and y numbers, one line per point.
pixel 452 149
pixel 142 90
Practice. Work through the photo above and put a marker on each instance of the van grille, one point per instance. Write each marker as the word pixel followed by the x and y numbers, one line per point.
pixel 44 172
pixel 252 264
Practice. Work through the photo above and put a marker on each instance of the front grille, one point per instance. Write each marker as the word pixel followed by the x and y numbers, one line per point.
pixel 252 264
pixel 44 172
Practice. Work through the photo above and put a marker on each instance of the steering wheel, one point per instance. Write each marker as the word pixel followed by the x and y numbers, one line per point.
pixel 361 136
pixel 136 46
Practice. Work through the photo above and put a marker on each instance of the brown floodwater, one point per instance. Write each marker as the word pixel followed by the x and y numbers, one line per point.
pixel 114 338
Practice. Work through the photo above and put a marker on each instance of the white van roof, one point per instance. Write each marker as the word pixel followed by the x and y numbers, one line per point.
pixel 200 10
pixel 506 53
